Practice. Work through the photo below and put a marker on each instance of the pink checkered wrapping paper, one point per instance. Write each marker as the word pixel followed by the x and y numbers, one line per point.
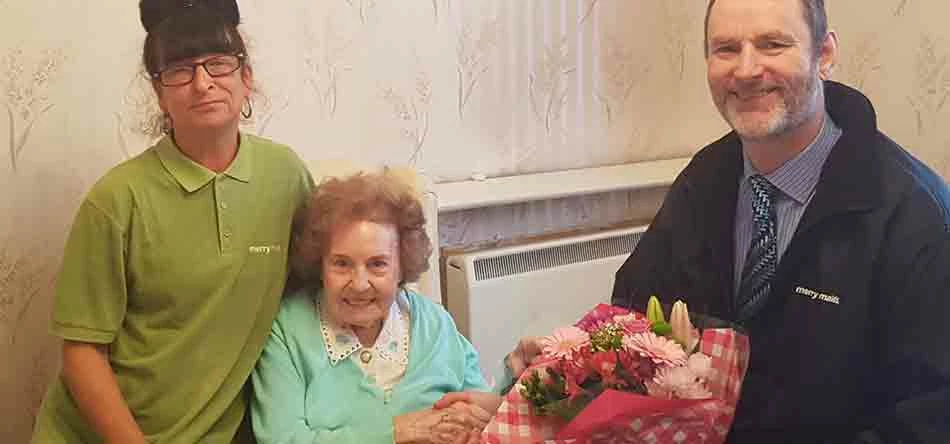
pixel 617 417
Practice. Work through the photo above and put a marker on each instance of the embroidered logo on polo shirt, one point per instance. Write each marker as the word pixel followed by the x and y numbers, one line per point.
pixel 264 249
pixel 818 296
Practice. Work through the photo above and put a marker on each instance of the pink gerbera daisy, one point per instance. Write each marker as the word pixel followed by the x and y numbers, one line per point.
pixel 632 323
pixel 660 350
pixel 599 317
pixel 678 382
pixel 563 342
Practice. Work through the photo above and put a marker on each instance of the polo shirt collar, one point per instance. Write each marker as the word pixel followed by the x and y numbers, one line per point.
pixel 191 175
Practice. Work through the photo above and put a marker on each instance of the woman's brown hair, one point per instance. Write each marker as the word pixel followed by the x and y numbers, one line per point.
pixel 181 29
pixel 382 198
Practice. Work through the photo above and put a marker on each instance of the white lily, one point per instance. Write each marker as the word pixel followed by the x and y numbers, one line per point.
pixel 683 330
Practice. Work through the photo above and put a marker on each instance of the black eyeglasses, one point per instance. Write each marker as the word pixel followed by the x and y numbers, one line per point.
pixel 183 74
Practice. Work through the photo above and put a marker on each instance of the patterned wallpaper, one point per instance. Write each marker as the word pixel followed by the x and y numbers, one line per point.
pixel 451 87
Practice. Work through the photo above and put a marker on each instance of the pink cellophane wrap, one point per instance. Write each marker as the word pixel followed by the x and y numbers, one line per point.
pixel 628 418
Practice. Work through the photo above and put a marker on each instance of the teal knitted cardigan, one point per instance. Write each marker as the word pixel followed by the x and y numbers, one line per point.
pixel 298 397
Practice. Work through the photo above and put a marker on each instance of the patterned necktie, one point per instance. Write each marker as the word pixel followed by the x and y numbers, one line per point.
pixel 762 257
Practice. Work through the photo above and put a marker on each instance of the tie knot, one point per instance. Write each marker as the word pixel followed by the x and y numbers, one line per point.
pixel 761 185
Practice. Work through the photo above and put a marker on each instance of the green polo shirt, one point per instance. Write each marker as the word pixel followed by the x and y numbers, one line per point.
pixel 180 269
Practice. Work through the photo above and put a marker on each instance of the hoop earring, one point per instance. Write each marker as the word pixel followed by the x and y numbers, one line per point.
pixel 250 110
pixel 167 126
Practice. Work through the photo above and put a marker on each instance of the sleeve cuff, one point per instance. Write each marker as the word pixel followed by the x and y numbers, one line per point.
pixel 82 334
pixel 507 381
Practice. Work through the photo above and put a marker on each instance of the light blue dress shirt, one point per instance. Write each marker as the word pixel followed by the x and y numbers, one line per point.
pixel 796 180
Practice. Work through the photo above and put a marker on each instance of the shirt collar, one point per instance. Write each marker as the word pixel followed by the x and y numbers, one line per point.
pixel 392 343
pixel 797 177
pixel 191 175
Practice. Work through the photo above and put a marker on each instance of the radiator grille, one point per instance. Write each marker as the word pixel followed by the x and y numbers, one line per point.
pixel 554 256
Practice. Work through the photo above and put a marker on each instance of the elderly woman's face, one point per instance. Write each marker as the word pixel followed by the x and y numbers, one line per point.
pixel 361 272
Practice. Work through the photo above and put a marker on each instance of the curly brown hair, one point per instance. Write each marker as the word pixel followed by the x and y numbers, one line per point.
pixel 376 197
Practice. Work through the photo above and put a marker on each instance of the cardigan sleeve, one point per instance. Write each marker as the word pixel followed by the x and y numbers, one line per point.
pixel 474 379
pixel 278 412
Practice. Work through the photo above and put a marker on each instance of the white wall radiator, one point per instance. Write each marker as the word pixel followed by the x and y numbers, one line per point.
pixel 499 295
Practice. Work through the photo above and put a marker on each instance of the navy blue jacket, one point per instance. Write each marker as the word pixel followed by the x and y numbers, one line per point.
pixel 854 343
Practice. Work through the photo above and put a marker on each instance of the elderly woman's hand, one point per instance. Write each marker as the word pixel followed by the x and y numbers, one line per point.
pixel 481 415
pixel 460 423
pixel 489 402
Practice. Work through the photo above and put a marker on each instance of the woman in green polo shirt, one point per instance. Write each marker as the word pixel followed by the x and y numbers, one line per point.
pixel 177 258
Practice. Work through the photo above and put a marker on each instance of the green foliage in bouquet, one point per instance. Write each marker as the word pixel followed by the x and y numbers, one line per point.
pixel 608 338
pixel 549 395
pixel 658 322
pixel 551 398
pixel 602 363
pixel 541 394
pixel 662 329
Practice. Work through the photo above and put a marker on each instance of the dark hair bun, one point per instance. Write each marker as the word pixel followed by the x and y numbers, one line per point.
pixel 154 12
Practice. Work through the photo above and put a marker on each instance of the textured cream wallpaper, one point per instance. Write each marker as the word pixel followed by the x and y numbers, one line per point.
pixel 452 87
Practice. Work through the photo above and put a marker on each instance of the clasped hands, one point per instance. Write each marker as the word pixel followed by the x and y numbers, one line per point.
pixel 460 417
pixel 457 418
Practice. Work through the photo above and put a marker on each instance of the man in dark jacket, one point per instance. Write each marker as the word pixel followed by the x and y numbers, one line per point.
pixel 809 227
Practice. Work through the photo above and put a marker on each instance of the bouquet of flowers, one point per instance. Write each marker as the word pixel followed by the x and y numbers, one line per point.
pixel 618 376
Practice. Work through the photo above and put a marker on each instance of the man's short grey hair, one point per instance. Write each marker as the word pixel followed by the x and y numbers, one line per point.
pixel 814 14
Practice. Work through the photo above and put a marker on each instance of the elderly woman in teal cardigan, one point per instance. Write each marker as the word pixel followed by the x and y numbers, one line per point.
pixel 353 356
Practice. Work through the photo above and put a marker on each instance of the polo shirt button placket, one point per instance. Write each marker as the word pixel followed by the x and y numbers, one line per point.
pixel 224 234
pixel 226 242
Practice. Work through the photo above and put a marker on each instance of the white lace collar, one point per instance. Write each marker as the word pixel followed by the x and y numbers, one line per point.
pixel 391 345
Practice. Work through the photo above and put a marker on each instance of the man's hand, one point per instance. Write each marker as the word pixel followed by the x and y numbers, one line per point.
pixel 523 355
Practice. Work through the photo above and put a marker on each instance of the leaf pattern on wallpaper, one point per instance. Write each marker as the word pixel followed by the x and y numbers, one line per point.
pixel 512 154
pixel 861 61
pixel 42 368
pixel 436 9
pixel 266 106
pixel 548 85
pixel 139 122
pixel 412 111
pixel 622 72
pixel 931 87
pixel 679 25
pixel 942 165
pixel 362 7
pixel 23 277
pixel 453 227
pixel 24 93
pixel 588 11
pixel 901 7
pixel 640 143
pixel 325 64
pixel 472 52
